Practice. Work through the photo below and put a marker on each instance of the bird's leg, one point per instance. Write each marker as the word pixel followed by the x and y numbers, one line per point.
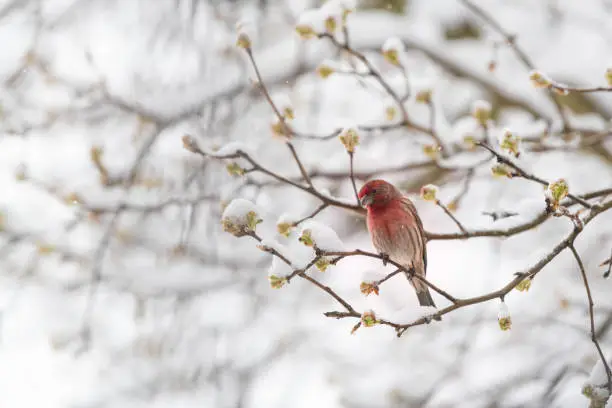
pixel 385 258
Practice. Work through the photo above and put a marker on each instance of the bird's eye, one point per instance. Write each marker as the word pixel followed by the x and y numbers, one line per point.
pixel 373 191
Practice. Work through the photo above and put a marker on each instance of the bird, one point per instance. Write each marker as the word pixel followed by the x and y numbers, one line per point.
pixel 397 232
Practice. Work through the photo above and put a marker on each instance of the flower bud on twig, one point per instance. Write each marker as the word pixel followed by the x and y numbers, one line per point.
pixel 350 139
pixel 432 151
pixel 555 192
pixel 368 287
pixel 501 170
pixel 368 318
pixel 284 228
pixel 524 285
pixel 324 70
pixel 240 218
pixel 322 264
pixel 481 111
pixel 429 192
pixel 392 50
pixel 277 282
pixel 503 317
pixel 608 76
pixel 390 112
pixel 539 80
pixel 510 143
pixel 306 238
pixel 424 96
pixel 308 24
pixel 245 30
pixel 234 169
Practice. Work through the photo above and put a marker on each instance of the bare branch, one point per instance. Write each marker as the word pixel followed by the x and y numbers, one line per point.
pixel 592 316
pixel 518 51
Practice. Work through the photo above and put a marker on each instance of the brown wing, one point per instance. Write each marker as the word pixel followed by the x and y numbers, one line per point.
pixel 421 236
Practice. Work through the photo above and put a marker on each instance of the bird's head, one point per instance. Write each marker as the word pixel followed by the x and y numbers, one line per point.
pixel 377 193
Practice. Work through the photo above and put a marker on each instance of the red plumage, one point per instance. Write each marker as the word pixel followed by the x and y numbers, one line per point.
pixel 397 231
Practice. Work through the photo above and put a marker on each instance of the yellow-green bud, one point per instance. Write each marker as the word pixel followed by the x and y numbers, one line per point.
pixel 390 112
pixel 501 170
pixel 391 56
pixel 278 128
pixel 424 96
pixel 481 111
pixel 243 41
pixel 330 24
pixel 324 71
pixel 288 113
pixel 350 139
pixel 368 287
pixel 241 227
pixel 429 192
pixel 306 238
pixel 322 264
pixel 539 80
pixel 524 285
pixel 505 323
pixel 557 191
pixel 503 317
pixel 277 282
pixel 234 169
pixel 368 319
pixel 391 50
pixel 510 143
pixel 432 151
pixel 284 228
pixel 252 219
pixel 469 141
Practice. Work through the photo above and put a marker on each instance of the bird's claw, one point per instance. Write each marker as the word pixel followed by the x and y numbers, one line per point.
pixel 385 258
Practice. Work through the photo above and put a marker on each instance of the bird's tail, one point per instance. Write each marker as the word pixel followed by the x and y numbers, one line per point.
pixel 425 299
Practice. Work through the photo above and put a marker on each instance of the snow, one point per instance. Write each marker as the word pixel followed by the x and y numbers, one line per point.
pixel 598 375
pixel 313 19
pixel 393 44
pixel 238 209
pixel 323 236
pixel 183 314
pixel 231 149
pixel 502 310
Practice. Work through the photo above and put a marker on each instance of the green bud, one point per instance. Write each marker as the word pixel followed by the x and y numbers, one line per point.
pixel 368 319
pixel 368 287
pixel 277 282
pixel 234 169
pixel 429 192
pixel 350 139
pixel 524 285
pixel 306 238
pixel 322 264
pixel 284 228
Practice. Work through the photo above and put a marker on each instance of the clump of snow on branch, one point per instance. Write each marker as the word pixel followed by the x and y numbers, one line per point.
pixel 315 233
pixel 240 217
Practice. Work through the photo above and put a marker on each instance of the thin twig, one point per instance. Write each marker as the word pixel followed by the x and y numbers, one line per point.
pixel 521 55
pixel 312 215
pixel 519 172
pixel 609 262
pixel 352 175
pixel 592 316
pixel 452 217
pixel 287 131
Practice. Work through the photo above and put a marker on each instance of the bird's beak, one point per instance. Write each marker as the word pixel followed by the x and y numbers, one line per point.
pixel 366 200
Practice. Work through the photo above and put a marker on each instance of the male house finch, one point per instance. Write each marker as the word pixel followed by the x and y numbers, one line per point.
pixel 397 231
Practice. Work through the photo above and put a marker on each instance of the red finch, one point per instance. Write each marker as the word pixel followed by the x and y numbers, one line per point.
pixel 397 231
